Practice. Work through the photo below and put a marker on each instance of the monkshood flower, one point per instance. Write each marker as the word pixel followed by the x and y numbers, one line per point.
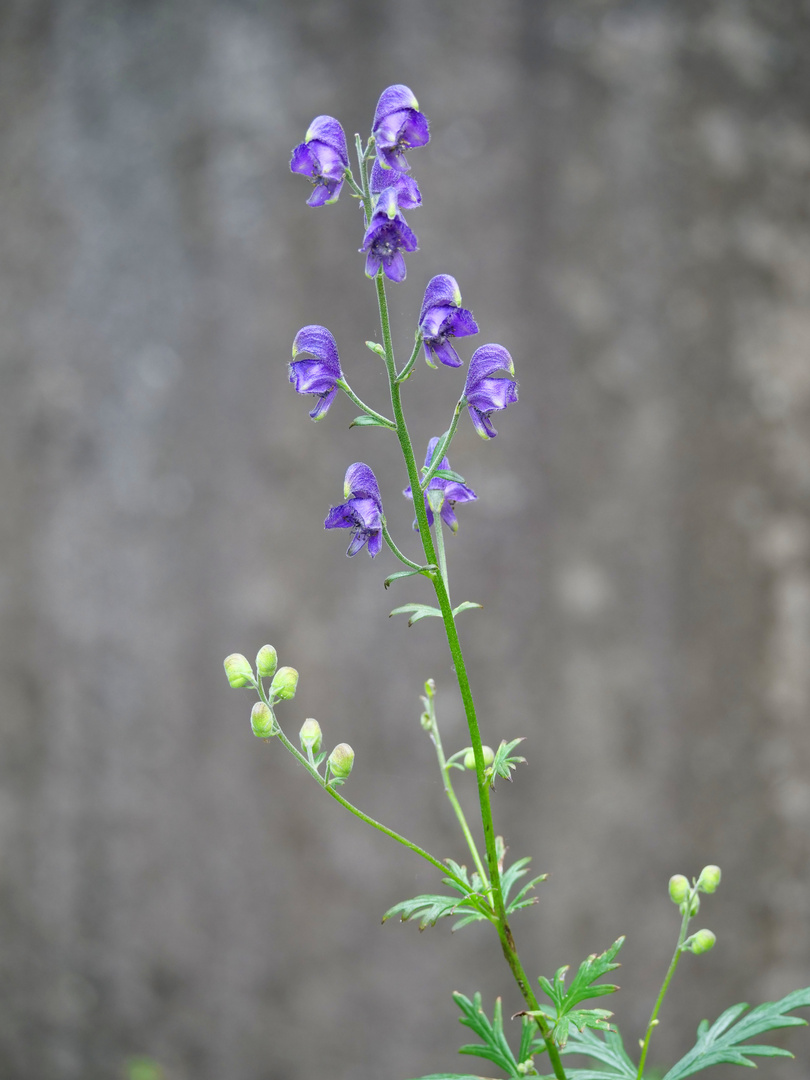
pixel 362 510
pixel 387 237
pixel 442 494
pixel 398 126
pixel 442 317
pixel 484 394
pixel 319 375
pixel 408 194
pixel 322 156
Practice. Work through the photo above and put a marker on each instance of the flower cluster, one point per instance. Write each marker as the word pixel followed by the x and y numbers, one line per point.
pixel 387 189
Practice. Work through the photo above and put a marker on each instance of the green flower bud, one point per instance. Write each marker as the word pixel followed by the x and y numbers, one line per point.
pixel 238 670
pixel 678 888
pixel 341 760
pixel 284 684
pixel 310 735
pixel 709 879
pixel 700 942
pixel 469 757
pixel 425 721
pixel 262 722
pixel 266 662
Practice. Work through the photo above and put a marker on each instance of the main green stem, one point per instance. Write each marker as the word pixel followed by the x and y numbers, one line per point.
pixel 504 931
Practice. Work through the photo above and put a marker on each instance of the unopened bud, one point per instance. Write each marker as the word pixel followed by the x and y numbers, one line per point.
pixel 469 757
pixel 425 721
pixel 262 722
pixel 266 662
pixel 284 684
pixel 709 879
pixel 678 888
pixel 341 760
pixel 700 942
pixel 310 736
pixel 238 670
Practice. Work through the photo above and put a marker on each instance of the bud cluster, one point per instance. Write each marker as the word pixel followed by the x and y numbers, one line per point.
pixel 686 897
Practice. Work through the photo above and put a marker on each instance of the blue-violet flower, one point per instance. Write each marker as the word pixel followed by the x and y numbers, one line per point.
pixel 398 125
pixel 442 317
pixel 319 375
pixel 408 194
pixel 362 510
pixel 442 494
pixel 483 394
pixel 387 236
pixel 323 157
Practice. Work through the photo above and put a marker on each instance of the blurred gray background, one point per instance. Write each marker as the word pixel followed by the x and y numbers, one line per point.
pixel 622 191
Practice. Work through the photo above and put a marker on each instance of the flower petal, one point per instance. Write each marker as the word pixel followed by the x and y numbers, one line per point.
pixel 486 360
pixel 322 404
pixel 361 483
pixel 392 99
pixel 320 342
pixel 328 130
pixel 445 352
pixel 303 161
pixel 395 269
pixel 311 377
pixel 442 291
pixel 491 394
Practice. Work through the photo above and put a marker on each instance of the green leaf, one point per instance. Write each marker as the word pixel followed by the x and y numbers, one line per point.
pixel 453 1076
pixel 580 990
pixel 429 908
pixel 369 421
pixel 420 611
pixel 466 606
pixel 399 575
pixel 509 877
pixel 609 1050
pixel 448 474
pixel 722 1042
pixel 503 763
pixel 493 1046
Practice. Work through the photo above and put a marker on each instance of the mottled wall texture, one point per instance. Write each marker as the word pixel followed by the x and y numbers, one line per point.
pixel 622 190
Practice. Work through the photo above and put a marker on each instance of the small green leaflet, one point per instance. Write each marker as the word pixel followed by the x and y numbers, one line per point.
pixel 503 763
pixel 493 1046
pixel 405 574
pixel 722 1042
pixel 448 474
pixel 369 421
pixel 473 904
pixel 581 989
pixel 608 1050
pixel 422 611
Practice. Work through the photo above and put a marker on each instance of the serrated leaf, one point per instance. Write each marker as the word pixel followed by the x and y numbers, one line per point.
pixel 723 1042
pixel 453 1076
pixel 468 605
pixel 428 909
pixel 503 764
pixel 420 611
pixel 493 1046
pixel 369 421
pixel 609 1050
pixel 581 988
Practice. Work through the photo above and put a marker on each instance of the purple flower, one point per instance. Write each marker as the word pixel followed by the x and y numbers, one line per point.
pixel 484 395
pixel 442 494
pixel 318 376
pixel 323 157
pixel 362 510
pixel 408 194
pixel 387 236
pixel 442 317
pixel 398 125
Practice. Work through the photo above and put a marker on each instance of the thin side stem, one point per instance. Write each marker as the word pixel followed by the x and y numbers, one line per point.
pixel 406 371
pixel 350 394
pixel 442 450
pixel 667 980
pixel 397 552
